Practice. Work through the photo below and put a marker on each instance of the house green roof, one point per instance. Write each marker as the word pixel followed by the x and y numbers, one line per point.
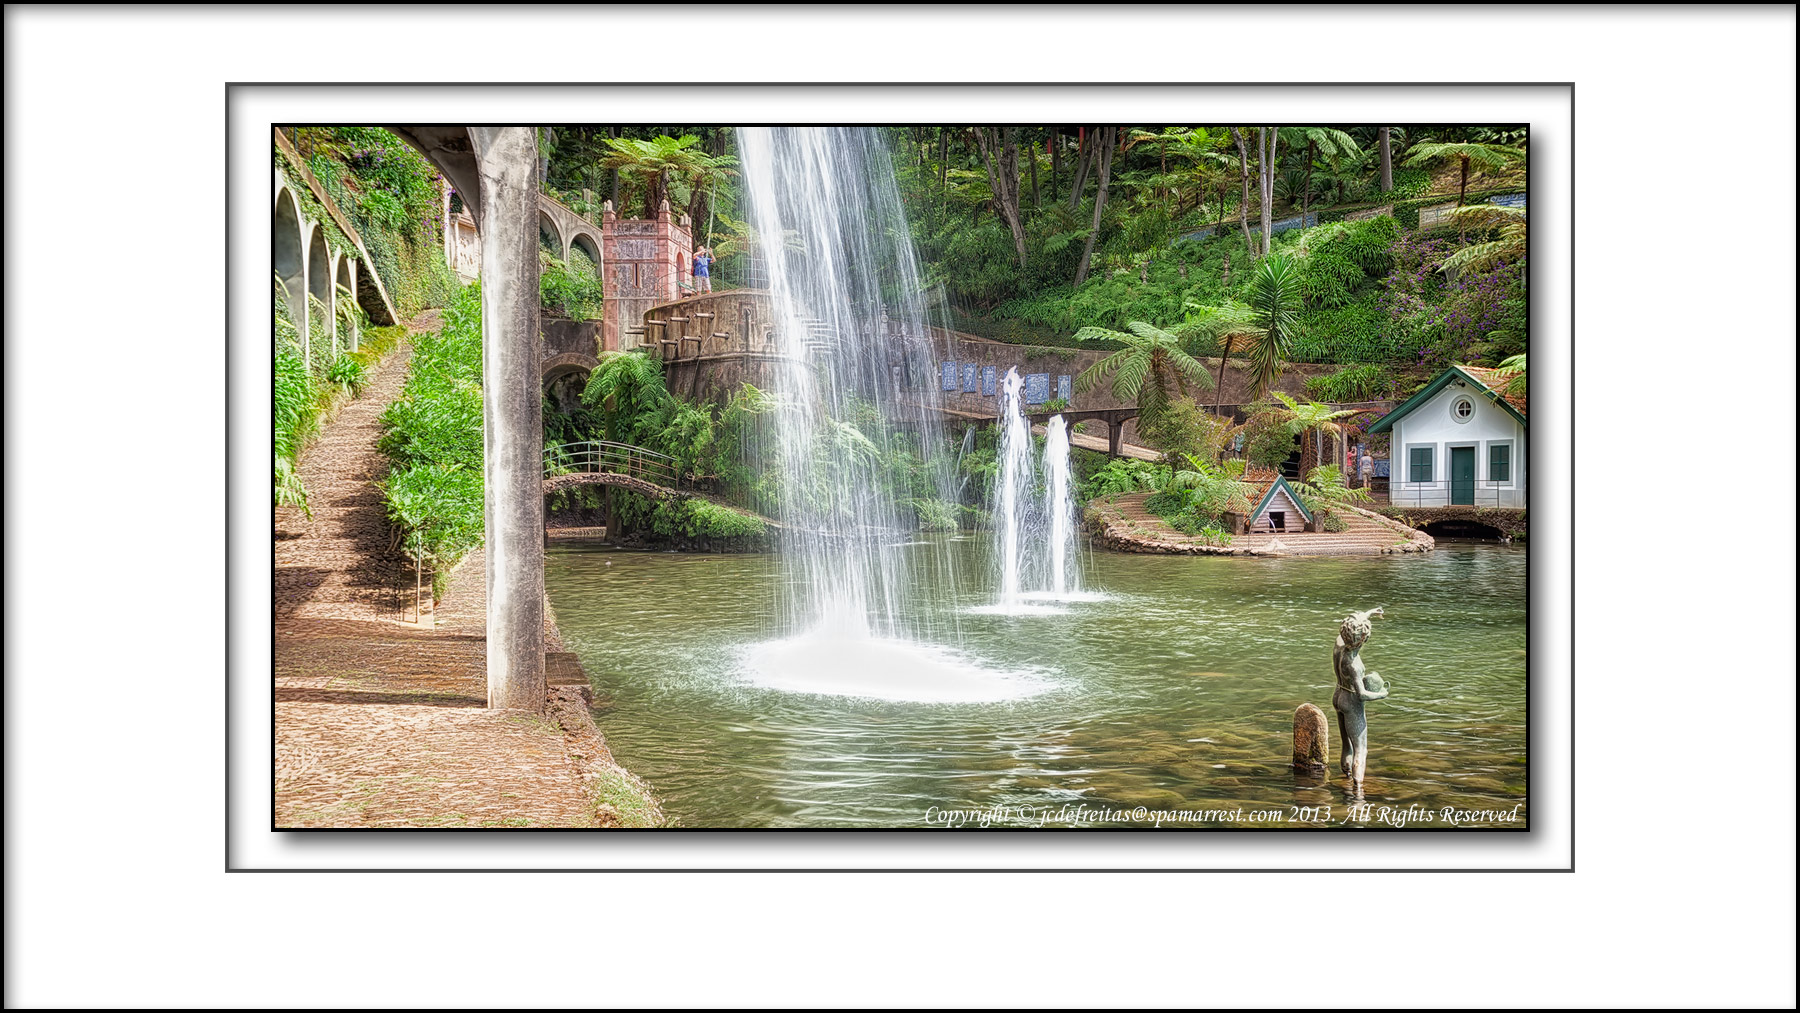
pixel 1279 483
pixel 1444 379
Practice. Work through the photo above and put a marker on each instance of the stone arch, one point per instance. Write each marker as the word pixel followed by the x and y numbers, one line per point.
pixel 563 378
pixel 344 287
pixel 549 236
pixel 318 286
pixel 588 244
pixel 290 256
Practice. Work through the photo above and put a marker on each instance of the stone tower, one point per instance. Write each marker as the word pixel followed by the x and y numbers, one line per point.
pixel 646 261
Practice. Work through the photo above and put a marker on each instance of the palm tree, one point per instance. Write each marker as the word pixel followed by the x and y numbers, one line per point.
pixel 1488 157
pixel 1508 246
pixel 1513 366
pixel 1312 417
pixel 653 162
pixel 1325 489
pixel 1330 142
pixel 1150 371
pixel 1266 324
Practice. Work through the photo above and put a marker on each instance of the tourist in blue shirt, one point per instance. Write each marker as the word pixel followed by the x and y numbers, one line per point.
pixel 703 261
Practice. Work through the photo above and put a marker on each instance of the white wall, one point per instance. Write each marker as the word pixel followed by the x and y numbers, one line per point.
pixel 1433 424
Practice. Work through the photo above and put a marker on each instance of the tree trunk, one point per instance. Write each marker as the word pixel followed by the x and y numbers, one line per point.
pixel 613 132
pixel 1055 160
pixel 1306 187
pixel 1083 165
pixel 1000 155
pixel 1463 189
pixel 1104 151
pixel 1034 188
pixel 1387 159
pixel 1265 171
pixel 1244 202
pixel 943 175
pixel 1224 353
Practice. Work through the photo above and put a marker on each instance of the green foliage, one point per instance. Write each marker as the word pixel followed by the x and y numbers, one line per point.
pixel 566 291
pixel 1186 429
pixel 1360 332
pixel 1344 260
pixel 1150 371
pixel 394 198
pixel 432 434
pixel 348 374
pixel 1325 492
pixel 1122 475
pixel 1370 382
pixel 437 508
pixel 699 518
pixel 296 421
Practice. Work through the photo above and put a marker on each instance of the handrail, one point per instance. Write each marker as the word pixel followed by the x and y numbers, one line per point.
pixel 607 457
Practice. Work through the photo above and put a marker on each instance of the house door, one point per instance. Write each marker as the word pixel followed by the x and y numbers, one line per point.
pixel 1462 476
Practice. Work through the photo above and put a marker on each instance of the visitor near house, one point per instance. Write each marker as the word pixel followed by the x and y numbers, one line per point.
pixel 703 261
pixel 1365 469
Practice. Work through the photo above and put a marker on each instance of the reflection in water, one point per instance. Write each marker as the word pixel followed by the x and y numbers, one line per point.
pixel 1176 688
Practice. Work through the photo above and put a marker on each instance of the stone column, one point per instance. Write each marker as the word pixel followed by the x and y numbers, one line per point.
pixel 512 416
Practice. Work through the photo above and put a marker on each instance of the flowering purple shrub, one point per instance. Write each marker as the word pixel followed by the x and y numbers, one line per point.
pixel 1440 320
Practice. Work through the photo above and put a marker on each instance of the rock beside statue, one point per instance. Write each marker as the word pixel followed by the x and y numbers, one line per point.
pixel 1312 738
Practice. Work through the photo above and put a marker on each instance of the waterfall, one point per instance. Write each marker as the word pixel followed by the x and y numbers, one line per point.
pixel 1064 574
pixel 847 308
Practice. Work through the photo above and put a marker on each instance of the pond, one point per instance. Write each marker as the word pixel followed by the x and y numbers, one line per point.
pixel 1173 689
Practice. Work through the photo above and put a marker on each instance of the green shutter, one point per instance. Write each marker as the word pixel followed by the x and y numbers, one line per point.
pixel 1500 462
pixel 1421 465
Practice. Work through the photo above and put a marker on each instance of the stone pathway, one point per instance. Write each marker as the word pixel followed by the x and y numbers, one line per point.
pixel 379 722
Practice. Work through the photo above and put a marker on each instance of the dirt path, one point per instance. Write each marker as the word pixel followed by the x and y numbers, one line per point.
pixel 382 723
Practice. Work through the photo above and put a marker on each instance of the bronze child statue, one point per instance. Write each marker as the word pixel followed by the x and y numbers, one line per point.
pixel 1354 688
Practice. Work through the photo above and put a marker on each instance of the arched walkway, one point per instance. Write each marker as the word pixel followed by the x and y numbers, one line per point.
pixel 290 257
pixel 345 290
pixel 583 246
pixel 549 236
pixel 322 346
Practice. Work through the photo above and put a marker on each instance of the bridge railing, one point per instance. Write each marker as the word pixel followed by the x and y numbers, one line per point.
pixel 595 457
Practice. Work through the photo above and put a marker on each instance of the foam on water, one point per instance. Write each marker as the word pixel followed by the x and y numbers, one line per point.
pixel 882 668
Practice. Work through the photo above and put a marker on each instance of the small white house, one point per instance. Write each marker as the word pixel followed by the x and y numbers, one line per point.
pixel 1458 441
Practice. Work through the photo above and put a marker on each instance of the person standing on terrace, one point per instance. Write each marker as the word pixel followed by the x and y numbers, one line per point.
pixel 703 261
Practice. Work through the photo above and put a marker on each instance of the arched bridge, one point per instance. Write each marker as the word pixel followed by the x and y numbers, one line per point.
pixel 601 462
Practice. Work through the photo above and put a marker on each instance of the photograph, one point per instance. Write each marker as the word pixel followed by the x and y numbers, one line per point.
pixel 928 470
pixel 922 476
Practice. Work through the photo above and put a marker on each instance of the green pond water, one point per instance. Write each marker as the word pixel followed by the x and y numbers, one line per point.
pixel 1174 692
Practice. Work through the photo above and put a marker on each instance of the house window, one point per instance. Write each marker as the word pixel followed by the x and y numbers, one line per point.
pixel 1419 461
pixel 1500 462
pixel 1462 409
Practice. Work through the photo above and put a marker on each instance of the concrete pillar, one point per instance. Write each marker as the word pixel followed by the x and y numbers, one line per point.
pixel 512 416
pixel 1115 437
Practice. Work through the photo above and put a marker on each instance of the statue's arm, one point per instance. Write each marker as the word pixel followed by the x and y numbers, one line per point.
pixel 1363 690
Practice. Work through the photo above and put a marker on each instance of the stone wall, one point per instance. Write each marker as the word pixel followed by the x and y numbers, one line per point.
pixel 645 260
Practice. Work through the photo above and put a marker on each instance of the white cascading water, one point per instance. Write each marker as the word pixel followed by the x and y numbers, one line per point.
pixel 849 318
pixel 1064 551
pixel 1012 498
